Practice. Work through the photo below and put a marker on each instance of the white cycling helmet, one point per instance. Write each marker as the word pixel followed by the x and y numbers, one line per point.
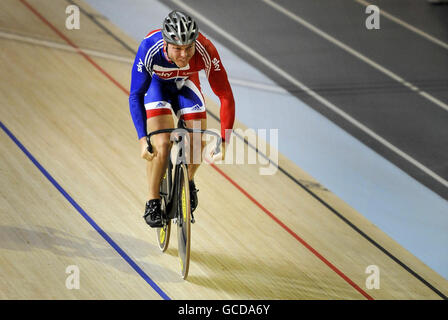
pixel 179 28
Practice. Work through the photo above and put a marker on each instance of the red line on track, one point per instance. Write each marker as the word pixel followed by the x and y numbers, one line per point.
pixel 270 214
pixel 60 34
pixel 303 242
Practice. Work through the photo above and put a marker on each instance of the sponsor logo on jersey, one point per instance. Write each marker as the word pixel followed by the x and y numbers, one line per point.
pixel 215 62
pixel 140 66
pixel 196 107
pixel 164 74
pixel 184 73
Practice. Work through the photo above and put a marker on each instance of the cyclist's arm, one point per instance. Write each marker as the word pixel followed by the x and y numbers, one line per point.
pixel 140 81
pixel 220 85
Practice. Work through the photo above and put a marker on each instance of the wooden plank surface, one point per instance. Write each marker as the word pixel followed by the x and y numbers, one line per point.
pixel 256 236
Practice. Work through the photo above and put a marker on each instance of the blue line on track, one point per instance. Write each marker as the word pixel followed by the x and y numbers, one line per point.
pixel 86 216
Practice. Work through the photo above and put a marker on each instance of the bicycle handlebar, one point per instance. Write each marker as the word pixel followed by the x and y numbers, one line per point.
pixel 181 125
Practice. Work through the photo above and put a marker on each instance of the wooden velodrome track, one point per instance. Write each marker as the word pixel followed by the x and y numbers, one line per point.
pixel 256 237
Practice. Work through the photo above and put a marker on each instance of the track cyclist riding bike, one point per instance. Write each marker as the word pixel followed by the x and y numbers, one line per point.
pixel 164 80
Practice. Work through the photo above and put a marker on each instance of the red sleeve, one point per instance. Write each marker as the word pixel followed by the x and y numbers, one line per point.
pixel 217 77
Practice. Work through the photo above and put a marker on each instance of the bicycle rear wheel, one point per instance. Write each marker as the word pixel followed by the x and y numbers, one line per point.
pixel 163 234
pixel 184 221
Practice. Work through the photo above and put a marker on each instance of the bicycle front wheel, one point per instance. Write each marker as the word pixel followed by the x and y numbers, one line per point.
pixel 184 221
pixel 163 234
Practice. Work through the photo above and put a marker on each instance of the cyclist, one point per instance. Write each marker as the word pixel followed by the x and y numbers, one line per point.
pixel 165 80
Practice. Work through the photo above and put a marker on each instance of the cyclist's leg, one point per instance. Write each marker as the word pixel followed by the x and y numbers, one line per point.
pixel 159 116
pixel 161 143
pixel 191 108
pixel 196 147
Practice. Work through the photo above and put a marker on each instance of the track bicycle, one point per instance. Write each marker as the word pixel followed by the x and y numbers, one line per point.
pixel 175 193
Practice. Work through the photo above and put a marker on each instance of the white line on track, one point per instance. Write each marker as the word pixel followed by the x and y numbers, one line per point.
pixel 407 26
pixel 98 54
pixel 61 46
pixel 357 54
pixel 301 86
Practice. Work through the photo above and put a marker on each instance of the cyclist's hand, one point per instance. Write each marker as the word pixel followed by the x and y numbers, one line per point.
pixel 144 150
pixel 218 156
